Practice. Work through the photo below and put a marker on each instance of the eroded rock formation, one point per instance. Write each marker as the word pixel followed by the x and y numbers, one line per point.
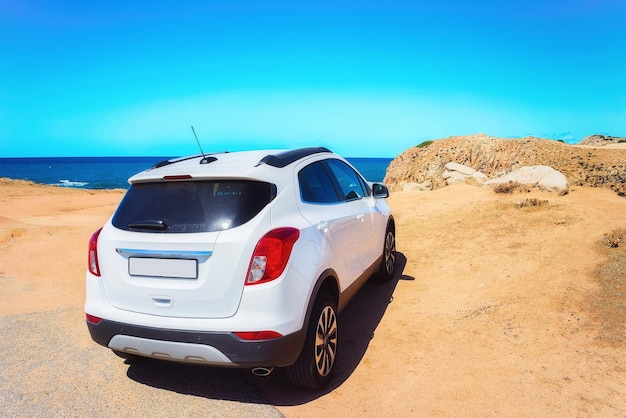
pixel 422 167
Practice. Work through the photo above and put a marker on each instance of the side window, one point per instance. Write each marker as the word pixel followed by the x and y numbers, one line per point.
pixel 316 186
pixel 351 184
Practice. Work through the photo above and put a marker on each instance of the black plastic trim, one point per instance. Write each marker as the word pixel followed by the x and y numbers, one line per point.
pixel 173 161
pixel 207 158
pixel 277 352
pixel 285 158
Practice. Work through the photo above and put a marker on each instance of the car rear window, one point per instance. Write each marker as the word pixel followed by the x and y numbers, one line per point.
pixel 191 206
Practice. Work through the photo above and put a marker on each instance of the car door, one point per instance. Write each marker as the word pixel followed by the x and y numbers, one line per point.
pixel 359 195
pixel 337 220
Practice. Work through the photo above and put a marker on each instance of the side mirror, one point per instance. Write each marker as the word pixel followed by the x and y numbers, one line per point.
pixel 380 190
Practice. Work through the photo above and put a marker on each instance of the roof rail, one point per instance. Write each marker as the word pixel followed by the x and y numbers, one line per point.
pixel 283 159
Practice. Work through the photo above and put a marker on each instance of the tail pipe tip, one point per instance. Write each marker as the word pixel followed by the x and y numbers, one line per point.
pixel 262 371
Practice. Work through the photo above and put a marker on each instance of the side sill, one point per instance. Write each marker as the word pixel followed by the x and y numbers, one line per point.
pixel 351 290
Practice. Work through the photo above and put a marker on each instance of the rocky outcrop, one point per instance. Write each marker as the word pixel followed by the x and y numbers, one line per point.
pixel 539 176
pixel 458 173
pixel 598 140
pixel 423 167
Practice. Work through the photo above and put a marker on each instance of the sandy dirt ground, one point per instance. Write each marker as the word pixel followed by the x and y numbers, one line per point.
pixel 504 305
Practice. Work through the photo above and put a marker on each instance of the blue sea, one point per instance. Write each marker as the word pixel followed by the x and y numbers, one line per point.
pixel 113 172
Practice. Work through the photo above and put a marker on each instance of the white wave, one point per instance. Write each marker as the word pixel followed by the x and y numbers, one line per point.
pixel 69 183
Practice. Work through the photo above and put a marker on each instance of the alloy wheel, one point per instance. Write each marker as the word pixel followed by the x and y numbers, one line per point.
pixel 326 341
pixel 390 252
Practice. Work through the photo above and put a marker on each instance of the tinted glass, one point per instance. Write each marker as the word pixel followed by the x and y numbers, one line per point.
pixel 191 206
pixel 315 185
pixel 351 184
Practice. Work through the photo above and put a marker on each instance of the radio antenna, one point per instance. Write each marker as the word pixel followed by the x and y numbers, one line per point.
pixel 199 146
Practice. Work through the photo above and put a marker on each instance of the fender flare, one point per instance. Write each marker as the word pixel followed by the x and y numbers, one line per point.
pixel 327 282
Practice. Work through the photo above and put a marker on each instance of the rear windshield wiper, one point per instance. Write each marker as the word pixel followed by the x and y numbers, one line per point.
pixel 157 224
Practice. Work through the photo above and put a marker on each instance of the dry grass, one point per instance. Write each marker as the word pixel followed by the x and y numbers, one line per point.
pixel 531 203
pixel 614 239
pixel 609 303
pixel 510 187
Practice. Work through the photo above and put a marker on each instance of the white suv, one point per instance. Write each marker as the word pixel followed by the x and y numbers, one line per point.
pixel 239 259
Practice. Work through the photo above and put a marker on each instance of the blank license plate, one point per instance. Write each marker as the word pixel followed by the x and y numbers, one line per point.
pixel 178 268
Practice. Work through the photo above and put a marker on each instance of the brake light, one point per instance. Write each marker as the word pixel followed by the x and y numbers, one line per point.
pixel 92 261
pixel 271 255
pixel 93 319
pixel 258 335
pixel 178 177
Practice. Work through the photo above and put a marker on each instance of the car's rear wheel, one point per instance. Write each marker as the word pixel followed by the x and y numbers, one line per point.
pixel 388 264
pixel 313 368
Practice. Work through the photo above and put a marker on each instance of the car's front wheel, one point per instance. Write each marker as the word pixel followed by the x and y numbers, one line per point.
pixel 313 368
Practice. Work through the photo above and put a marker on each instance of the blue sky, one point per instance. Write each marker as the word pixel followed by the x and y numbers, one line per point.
pixel 365 78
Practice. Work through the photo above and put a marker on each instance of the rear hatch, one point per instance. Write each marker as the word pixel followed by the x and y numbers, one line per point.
pixel 182 248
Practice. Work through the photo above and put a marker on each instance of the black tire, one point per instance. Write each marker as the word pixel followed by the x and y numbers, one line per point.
pixel 388 263
pixel 314 367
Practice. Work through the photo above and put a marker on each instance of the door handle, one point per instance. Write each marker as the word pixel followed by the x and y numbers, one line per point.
pixel 322 226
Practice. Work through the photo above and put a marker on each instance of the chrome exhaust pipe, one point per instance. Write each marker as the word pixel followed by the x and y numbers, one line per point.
pixel 262 371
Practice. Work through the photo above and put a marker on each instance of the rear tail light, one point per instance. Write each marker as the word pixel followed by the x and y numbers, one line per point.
pixel 271 255
pixel 258 335
pixel 93 319
pixel 92 261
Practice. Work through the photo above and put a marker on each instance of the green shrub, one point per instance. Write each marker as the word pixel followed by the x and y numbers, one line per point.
pixel 424 144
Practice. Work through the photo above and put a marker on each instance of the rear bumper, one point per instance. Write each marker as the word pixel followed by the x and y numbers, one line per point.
pixel 212 348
